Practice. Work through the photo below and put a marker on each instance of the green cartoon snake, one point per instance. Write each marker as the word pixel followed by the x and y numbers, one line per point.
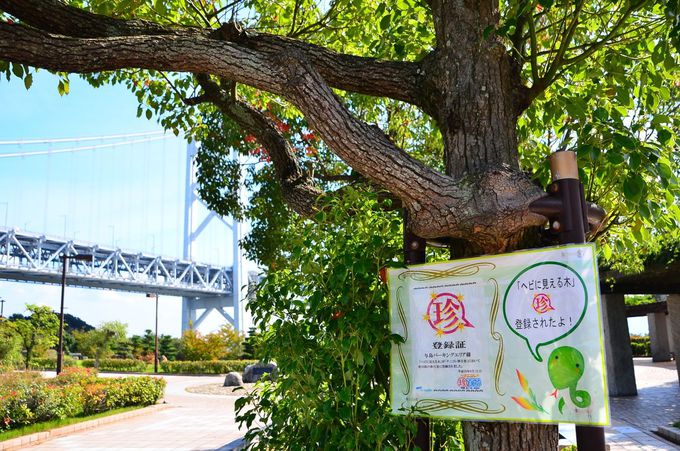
pixel 565 368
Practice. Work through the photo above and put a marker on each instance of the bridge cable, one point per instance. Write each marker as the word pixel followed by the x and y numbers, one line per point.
pixel 86 138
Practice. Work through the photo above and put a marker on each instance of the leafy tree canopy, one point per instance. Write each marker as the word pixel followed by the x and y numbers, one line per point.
pixel 99 343
pixel 601 78
pixel 37 332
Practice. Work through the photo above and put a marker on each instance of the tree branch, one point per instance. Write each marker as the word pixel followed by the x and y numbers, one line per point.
pixel 395 79
pixel 564 44
pixel 366 148
pixel 297 187
pixel 491 206
pixel 599 44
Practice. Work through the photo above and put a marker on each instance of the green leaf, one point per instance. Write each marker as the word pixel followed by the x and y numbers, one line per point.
pixel 575 108
pixel 385 22
pixel 632 187
pixel 625 141
pixel 614 157
pixel 634 160
pixel 664 170
pixel 601 114
pixel 149 113
pixel 663 135
pixel 560 405
pixel 28 81
pixel 18 70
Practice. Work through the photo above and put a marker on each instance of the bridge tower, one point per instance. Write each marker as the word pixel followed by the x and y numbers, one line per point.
pixel 229 305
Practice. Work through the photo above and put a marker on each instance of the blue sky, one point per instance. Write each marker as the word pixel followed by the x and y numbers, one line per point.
pixel 130 195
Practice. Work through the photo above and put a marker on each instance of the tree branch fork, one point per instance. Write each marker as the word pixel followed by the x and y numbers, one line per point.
pixel 488 208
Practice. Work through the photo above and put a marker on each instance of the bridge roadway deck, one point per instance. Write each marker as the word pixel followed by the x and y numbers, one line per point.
pixel 31 257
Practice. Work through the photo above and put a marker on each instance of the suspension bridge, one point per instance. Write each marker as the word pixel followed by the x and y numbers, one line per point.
pixel 35 257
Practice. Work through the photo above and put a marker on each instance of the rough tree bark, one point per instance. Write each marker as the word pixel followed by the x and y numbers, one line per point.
pixel 469 84
pixel 480 97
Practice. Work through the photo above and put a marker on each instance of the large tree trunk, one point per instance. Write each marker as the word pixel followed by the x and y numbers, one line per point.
pixel 510 436
pixel 478 96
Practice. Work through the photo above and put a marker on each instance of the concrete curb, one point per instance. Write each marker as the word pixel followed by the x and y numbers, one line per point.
pixel 39 437
pixel 670 433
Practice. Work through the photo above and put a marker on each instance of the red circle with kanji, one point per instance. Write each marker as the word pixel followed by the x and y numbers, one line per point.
pixel 446 313
pixel 541 303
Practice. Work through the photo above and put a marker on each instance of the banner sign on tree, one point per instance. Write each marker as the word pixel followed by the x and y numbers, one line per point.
pixel 514 337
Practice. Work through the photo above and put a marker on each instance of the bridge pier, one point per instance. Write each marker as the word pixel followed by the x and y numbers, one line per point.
pixel 192 230
pixel 191 306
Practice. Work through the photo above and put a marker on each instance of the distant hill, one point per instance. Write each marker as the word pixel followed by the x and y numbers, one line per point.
pixel 71 322
pixel 75 323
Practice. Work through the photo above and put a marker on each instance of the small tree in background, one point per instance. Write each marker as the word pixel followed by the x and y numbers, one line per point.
pixel 99 343
pixel 168 346
pixel 38 332
pixel 231 341
pixel 224 344
pixel 9 343
pixel 250 344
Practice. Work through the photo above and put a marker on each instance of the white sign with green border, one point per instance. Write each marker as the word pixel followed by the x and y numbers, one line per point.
pixel 513 337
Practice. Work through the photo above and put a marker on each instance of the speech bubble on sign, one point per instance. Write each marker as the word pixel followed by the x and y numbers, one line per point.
pixel 544 303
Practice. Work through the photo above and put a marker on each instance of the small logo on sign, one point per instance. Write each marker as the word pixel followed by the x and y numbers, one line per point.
pixel 446 313
pixel 470 382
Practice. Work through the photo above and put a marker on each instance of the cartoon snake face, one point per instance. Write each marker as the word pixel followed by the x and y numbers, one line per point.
pixel 565 367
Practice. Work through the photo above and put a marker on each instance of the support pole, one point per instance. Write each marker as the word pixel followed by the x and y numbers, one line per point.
pixel 571 225
pixel 60 352
pixel 155 352
pixel 414 253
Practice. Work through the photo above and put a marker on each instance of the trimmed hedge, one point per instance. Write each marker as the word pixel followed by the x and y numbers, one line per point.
pixel 50 363
pixel 27 398
pixel 118 365
pixel 640 345
pixel 205 367
pixel 139 366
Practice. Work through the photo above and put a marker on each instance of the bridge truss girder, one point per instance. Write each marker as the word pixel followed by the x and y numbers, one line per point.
pixel 36 258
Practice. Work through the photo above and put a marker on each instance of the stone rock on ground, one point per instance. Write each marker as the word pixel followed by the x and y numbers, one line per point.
pixel 233 379
pixel 253 373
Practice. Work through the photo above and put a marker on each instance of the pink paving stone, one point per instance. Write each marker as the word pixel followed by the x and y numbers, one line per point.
pixel 635 418
pixel 191 422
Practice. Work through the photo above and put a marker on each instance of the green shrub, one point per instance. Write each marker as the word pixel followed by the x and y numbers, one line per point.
pixel 94 398
pixel 109 394
pixel 117 365
pixel 27 398
pixel 75 375
pixel 641 346
pixel 324 319
pixel 50 363
pixel 205 367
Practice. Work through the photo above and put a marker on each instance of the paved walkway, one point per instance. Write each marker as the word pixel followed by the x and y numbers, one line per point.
pixel 193 422
pixel 635 418
pixel 206 422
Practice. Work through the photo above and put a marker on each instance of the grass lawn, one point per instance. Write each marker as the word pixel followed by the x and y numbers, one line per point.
pixel 47 425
